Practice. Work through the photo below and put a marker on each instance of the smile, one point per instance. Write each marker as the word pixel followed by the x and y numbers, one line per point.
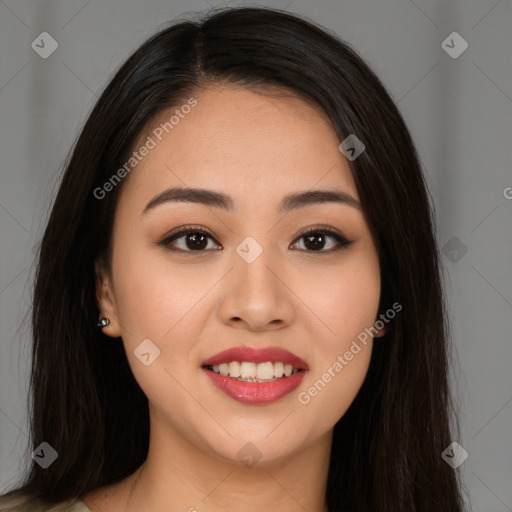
pixel 255 376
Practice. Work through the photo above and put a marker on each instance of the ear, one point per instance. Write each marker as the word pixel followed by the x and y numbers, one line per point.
pixel 106 301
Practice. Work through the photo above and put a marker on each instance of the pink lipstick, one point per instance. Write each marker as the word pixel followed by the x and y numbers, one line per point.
pixel 255 375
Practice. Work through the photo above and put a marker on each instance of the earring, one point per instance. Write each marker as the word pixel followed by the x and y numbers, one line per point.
pixel 103 322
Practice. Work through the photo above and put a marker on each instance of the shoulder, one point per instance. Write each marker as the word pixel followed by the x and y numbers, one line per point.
pixel 23 502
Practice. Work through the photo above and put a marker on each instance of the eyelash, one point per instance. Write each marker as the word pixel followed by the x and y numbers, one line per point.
pixel 320 230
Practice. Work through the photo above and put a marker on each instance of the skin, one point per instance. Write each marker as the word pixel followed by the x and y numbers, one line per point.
pixel 192 305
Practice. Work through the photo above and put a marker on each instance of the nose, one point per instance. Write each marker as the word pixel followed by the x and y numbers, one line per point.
pixel 256 295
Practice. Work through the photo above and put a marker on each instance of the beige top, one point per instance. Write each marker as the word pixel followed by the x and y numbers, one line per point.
pixel 27 503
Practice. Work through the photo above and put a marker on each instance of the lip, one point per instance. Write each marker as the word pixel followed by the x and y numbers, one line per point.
pixel 256 355
pixel 256 392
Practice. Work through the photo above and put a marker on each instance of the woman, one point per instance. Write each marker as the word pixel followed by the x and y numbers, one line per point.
pixel 238 299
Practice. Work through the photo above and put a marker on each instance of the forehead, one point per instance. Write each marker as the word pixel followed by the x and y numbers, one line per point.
pixel 242 142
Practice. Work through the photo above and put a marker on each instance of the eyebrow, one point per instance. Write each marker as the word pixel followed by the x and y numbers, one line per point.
pixel 218 199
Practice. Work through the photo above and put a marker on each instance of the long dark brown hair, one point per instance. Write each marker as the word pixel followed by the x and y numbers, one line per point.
pixel 84 400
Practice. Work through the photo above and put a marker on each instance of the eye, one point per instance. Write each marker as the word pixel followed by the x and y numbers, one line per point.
pixel 195 239
pixel 315 240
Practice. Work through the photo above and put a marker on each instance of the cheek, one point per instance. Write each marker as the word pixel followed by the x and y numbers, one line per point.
pixel 330 391
pixel 152 294
pixel 346 302
pixel 160 302
pixel 341 356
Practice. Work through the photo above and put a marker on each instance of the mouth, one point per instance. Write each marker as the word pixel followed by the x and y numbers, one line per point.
pixel 255 376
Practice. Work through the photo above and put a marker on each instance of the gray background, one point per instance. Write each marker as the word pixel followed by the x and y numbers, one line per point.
pixel 459 111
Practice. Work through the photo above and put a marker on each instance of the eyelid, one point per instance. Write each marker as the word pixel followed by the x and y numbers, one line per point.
pixel 320 228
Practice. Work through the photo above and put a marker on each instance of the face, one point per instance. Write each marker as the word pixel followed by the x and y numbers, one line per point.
pixel 251 270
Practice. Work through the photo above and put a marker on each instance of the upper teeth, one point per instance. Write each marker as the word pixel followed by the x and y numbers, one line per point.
pixel 248 370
